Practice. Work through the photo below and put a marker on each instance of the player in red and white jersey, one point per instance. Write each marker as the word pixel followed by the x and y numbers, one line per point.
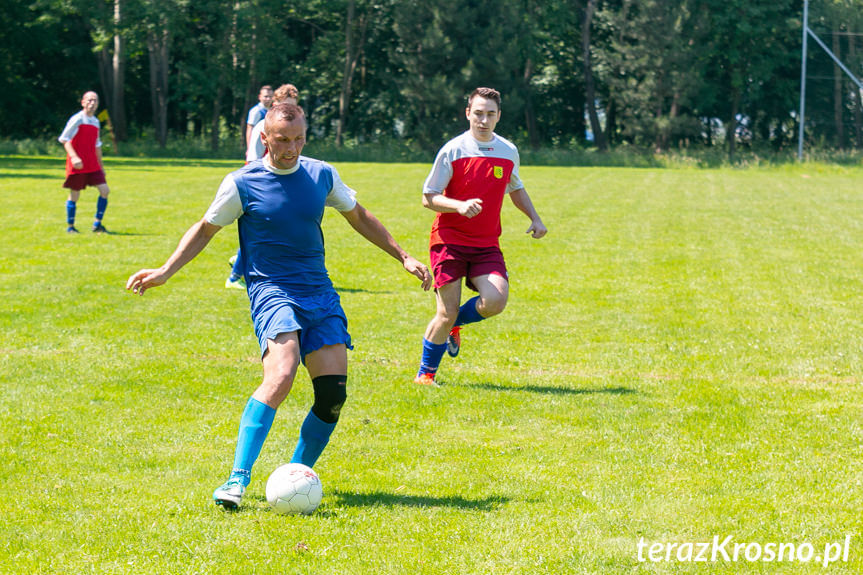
pixel 83 147
pixel 471 175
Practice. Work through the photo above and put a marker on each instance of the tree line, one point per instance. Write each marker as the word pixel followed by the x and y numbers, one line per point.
pixel 657 74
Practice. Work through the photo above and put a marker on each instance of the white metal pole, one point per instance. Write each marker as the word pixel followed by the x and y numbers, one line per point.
pixel 803 80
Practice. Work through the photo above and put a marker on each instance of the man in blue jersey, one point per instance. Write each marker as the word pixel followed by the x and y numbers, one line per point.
pixel 278 203
pixel 256 149
pixel 259 110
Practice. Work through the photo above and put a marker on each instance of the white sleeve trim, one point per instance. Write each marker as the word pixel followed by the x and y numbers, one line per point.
pixel 441 173
pixel 514 179
pixel 226 206
pixel 341 197
pixel 71 129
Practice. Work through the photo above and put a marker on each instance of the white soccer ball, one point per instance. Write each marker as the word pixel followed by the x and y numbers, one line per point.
pixel 294 488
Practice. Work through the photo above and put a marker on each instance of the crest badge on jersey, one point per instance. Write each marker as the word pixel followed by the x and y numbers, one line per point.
pixel 498 172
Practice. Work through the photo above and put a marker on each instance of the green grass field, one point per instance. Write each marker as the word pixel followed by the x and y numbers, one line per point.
pixel 681 359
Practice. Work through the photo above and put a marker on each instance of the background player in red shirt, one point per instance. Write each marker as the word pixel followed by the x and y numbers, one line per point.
pixel 83 147
pixel 471 175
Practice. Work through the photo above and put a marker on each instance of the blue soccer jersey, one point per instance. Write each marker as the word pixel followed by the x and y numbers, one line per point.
pixel 279 215
pixel 256 114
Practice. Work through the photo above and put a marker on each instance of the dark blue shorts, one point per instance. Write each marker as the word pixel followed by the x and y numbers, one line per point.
pixel 319 319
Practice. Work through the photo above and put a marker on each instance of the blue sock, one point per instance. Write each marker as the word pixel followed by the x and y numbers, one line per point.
pixel 237 270
pixel 432 354
pixel 468 313
pixel 101 204
pixel 254 427
pixel 70 212
pixel 314 436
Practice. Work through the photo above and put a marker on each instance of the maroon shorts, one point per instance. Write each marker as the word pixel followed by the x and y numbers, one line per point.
pixel 451 263
pixel 78 182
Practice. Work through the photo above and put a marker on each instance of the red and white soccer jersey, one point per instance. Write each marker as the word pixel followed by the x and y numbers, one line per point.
pixel 466 168
pixel 83 131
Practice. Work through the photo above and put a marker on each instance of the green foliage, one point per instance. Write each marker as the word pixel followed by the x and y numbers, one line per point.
pixel 668 75
pixel 45 57
pixel 680 359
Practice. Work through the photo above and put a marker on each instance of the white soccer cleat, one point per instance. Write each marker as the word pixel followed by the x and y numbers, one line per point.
pixel 230 494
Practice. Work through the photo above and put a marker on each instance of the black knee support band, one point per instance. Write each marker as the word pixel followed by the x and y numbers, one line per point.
pixel 330 394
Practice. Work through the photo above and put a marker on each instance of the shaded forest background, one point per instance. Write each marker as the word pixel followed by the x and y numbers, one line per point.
pixel 652 74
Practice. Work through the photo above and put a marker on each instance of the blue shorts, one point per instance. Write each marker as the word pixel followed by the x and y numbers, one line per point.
pixel 319 319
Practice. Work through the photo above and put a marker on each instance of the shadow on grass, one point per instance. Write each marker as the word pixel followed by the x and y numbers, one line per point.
pixel 32 177
pixel 42 162
pixel 360 290
pixel 133 234
pixel 87 232
pixel 383 499
pixel 551 390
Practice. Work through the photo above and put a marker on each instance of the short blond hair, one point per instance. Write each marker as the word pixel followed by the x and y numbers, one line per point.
pixel 284 111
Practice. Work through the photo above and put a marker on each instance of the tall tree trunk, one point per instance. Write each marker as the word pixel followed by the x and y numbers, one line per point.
pixel 838 77
pixel 659 140
pixel 157 47
pixel 214 119
pixel 589 88
pixel 529 111
pixel 611 122
pixel 235 64
pixel 118 83
pixel 612 105
pixel 731 127
pixel 858 96
pixel 106 77
pixel 254 82
pixel 352 54
pixel 672 117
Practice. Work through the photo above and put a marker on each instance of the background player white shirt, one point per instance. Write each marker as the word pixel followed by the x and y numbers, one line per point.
pixel 75 122
pixel 227 206
pixel 255 150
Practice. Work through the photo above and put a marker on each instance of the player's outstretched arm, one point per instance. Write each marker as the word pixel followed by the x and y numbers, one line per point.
pixel 368 226
pixel 192 243
pixel 441 203
pixel 522 201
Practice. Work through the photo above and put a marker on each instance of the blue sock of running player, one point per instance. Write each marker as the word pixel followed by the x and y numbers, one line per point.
pixel 432 354
pixel 330 395
pixel 70 212
pixel 314 436
pixel 468 313
pixel 101 204
pixel 254 427
pixel 237 270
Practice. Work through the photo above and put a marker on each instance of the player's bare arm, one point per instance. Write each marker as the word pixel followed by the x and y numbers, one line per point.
pixel 73 155
pixel 368 226
pixel 192 243
pixel 441 203
pixel 522 201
